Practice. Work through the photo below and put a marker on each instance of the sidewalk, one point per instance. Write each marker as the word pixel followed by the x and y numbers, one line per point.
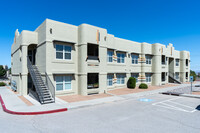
pixel 115 98
pixel 16 104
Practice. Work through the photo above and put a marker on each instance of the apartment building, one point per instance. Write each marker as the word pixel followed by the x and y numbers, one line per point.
pixel 63 59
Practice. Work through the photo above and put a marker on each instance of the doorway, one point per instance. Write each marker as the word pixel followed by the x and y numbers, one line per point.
pixel 32 53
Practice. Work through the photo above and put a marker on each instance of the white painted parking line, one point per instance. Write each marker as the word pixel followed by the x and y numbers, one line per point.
pixel 170 104
pixel 181 104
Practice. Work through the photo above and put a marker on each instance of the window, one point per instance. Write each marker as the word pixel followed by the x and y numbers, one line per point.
pixel 120 57
pixel 110 56
pixel 186 75
pixel 163 60
pixel 135 75
pixel 93 51
pixel 186 62
pixel 135 58
pixel 163 76
pixel 63 83
pixel 110 79
pixel 177 62
pixel 148 77
pixel 63 52
pixel 93 80
pixel 120 78
pixel 177 75
pixel 148 59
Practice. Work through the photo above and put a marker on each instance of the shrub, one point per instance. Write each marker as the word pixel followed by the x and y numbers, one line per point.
pixel 2 71
pixel 143 86
pixel 192 73
pixel 2 84
pixel 131 83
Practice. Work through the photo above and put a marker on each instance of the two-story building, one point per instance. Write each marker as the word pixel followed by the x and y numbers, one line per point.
pixel 85 59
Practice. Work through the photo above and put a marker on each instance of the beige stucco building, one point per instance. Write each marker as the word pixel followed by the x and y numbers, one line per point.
pixel 85 59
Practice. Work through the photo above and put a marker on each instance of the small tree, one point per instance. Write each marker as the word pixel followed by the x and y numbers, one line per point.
pixel 192 73
pixel 131 83
pixel 2 71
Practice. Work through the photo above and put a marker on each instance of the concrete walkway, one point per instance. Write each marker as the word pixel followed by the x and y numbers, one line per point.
pixel 121 97
pixel 14 103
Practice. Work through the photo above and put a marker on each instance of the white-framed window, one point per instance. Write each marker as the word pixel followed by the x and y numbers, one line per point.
pixel 135 75
pixel 177 62
pixel 63 83
pixel 110 56
pixel 120 57
pixel 148 59
pixel 120 78
pixel 135 58
pixel 177 75
pixel 148 77
pixel 63 52
pixel 110 79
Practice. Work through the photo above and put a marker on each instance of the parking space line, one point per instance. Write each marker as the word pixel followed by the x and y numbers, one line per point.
pixel 181 104
pixel 166 104
pixel 166 100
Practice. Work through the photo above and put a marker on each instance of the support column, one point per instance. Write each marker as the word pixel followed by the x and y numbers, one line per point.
pixel 102 69
pixel 142 77
pixel 102 82
pixel 183 57
pixel 156 64
pixel 24 72
pixel 82 69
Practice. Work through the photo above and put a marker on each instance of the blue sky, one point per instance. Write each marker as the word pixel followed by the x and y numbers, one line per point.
pixel 152 21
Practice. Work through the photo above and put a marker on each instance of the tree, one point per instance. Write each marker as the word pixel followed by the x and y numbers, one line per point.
pixel 9 70
pixel 192 73
pixel 2 71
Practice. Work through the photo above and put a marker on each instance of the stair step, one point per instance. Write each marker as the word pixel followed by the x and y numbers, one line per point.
pixel 43 92
pixel 47 96
pixel 47 99
pixel 45 102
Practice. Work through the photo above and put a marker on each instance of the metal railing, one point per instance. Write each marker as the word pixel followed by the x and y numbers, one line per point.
pixel 33 76
pixel 172 75
pixel 50 86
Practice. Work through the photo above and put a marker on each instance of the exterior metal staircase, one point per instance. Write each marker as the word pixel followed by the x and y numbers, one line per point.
pixel 45 91
pixel 172 77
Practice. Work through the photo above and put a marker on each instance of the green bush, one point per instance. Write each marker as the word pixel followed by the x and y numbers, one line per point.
pixel 192 73
pixel 143 86
pixel 131 83
pixel 2 84
pixel 2 71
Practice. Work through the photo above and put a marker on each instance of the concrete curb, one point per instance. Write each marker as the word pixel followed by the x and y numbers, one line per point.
pixel 180 94
pixel 190 95
pixel 29 113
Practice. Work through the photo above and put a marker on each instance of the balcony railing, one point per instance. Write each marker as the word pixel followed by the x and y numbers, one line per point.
pixel 93 86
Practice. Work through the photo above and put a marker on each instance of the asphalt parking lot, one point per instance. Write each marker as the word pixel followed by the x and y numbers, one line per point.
pixel 153 114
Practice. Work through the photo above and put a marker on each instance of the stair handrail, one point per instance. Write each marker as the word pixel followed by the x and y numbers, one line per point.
pixel 30 68
pixel 171 74
pixel 50 86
